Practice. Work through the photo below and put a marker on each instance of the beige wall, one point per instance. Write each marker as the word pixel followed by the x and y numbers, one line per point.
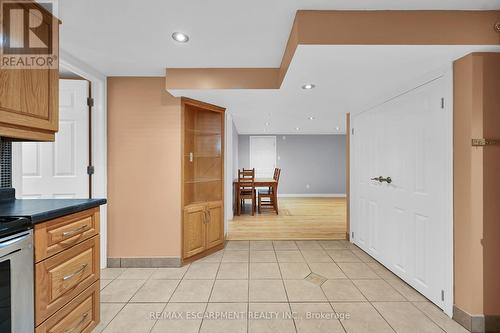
pixel 477 184
pixel 468 227
pixel 144 169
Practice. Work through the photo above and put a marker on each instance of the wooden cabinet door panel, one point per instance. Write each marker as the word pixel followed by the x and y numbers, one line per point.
pixel 194 230
pixel 215 224
pixel 29 103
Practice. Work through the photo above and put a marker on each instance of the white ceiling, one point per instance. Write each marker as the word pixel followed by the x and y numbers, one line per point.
pixel 133 38
pixel 347 79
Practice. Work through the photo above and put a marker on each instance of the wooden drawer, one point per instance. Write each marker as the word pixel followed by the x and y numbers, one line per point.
pixel 60 278
pixel 60 234
pixel 81 315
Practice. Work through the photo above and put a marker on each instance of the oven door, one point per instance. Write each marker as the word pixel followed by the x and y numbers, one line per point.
pixel 16 283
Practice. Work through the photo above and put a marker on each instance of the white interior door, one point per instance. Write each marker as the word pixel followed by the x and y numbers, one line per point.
pixel 263 155
pixel 405 224
pixel 58 169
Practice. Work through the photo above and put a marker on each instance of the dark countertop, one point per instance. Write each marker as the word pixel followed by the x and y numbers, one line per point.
pixel 40 210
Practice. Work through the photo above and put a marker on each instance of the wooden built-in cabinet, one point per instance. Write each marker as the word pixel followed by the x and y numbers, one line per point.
pixel 67 273
pixel 202 178
pixel 29 104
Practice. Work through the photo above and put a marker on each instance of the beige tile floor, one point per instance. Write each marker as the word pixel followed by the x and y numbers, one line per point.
pixel 266 286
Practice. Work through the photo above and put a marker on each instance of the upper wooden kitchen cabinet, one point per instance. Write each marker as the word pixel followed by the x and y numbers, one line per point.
pixel 202 178
pixel 29 103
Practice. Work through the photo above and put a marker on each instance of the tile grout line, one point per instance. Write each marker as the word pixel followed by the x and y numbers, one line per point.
pixel 150 277
pixel 429 317
pixel 209 296
pixel 310 269
pixel 136 294
pixel 320 287
pixel 171 295
pixel 284 287
pixel 124 304
pixel 370 302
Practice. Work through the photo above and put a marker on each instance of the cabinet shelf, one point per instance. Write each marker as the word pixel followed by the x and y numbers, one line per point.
pixel 198 155
pixel 202 180
pixel 203 132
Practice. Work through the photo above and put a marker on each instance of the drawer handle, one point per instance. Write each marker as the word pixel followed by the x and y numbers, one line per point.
pixel 73 232
pixel 77 325
pixel 67 277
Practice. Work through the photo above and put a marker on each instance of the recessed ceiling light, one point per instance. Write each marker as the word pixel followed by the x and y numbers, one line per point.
pixel 311 118
pixel 180 37
pixel 297 128
pixel 308 86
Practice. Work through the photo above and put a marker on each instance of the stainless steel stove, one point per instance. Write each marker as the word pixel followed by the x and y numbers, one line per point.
pixel 16 276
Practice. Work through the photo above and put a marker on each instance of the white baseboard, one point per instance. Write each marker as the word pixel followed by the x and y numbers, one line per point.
pixel 312 195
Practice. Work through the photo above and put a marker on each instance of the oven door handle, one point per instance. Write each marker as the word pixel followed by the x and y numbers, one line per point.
pixel 11 242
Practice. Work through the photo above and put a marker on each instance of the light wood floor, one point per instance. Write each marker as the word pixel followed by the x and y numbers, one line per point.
pixel 299 218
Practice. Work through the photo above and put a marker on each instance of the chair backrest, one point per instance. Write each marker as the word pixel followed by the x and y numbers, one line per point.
pixel 277 173
pixel 246 179
pixel 246 174
pixel 276 177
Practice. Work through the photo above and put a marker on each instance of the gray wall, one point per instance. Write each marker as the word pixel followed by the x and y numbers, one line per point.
pixel 314 160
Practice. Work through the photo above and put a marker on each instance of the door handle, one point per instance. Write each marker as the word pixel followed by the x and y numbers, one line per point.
pixel 381 179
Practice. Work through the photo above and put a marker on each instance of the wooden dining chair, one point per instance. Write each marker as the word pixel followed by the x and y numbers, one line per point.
pixel 246 188
pixel 268 198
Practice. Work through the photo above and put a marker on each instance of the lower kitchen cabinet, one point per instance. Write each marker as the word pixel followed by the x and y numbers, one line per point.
pixel 67 273
pixel 203 228
pixel 63 276
pixel 194 230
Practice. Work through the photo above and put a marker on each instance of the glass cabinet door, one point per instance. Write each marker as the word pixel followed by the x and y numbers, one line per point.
pixel 203 158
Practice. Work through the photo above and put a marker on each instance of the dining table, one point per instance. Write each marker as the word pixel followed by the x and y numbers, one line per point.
pixel 258 182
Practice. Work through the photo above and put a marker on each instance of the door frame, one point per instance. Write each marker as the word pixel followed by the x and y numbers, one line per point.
pixel 262 136
pixel 445 73
pixel 98 124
